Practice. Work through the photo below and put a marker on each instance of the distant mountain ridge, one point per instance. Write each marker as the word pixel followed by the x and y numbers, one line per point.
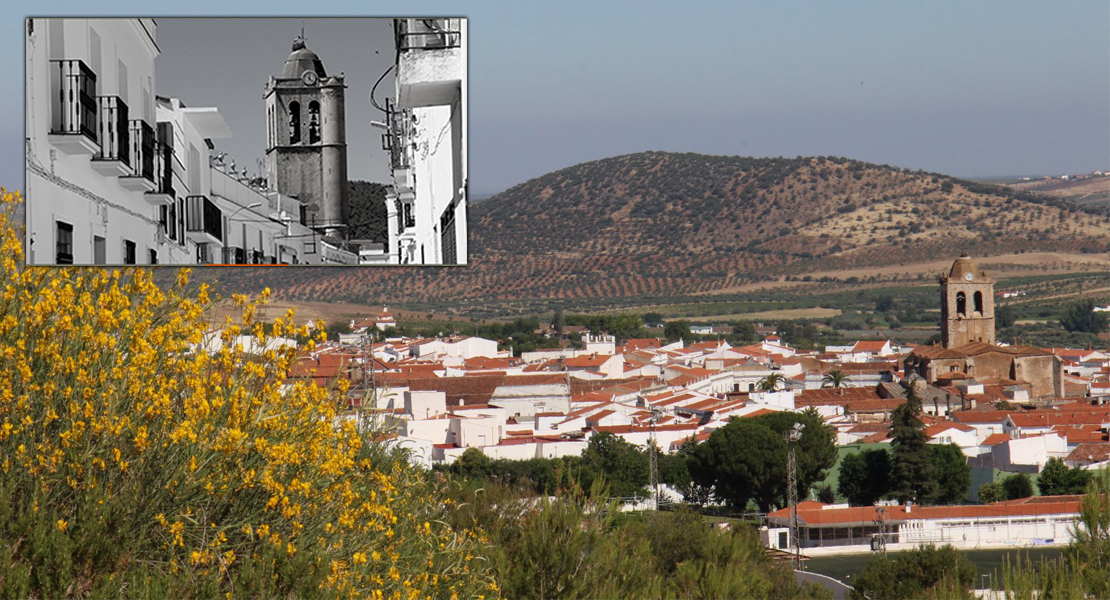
pixel 662 224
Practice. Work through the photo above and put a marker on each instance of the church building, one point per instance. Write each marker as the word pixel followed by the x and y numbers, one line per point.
pixel 306 144
pixel 968 350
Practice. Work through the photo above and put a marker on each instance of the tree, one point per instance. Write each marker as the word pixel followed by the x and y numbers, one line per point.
pixel 676 330
pixel 473 463
pixel 771 382
pixel 623 466
pixel 991 492
pixel 952 473
pixel 746 459
pixel 652 319
pixel 742 461
pixel 1017 486
pixel 1004 316
pixel 922 572
pixel 865 476
pixel 835 379
pixel 913 468
pixel 558 322
pixel 884 303
pixel 1057 479
pixel 1081 317
pixel 825 494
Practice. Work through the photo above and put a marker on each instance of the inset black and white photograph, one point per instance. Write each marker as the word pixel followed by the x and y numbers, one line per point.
pixel 246 141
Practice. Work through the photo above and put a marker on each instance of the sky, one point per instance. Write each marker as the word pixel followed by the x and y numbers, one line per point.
pixel 226 63
pixel 970 89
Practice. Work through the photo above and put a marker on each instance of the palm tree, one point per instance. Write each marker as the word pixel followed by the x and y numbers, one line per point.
pixel 835 379
pixel 771 382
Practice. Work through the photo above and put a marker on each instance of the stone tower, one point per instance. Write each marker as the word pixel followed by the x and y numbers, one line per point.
pixel 966 304
pixel 306 143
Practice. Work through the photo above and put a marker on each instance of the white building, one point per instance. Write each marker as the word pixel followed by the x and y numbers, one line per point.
pixel 426 139
pixel 838 529
pixel 96 168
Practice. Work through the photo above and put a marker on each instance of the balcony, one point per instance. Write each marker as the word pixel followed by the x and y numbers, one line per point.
pixel 114 158
pixel 141 136
pixel 427 34
pixel 430 61
pixel 73 107
pixel 163 192
pixel 203 221
pixel 397 141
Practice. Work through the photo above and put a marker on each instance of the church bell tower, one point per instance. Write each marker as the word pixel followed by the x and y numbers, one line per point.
pixel 967 304
pixel 306 143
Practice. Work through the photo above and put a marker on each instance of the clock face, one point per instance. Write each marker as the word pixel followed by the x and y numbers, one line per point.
pixel 309 77
pixel 969 276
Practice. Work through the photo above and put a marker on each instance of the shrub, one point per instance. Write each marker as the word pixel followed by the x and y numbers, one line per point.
pixel 138 463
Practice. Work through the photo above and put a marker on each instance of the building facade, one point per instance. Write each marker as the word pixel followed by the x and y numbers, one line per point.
pixel 98 166
pixel 426 139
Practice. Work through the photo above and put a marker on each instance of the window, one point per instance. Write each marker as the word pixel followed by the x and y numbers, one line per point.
pixel 64 244
pixel 100 251
pixel 978 302
pixel 961 304
pixel 128 252
pixel 153 256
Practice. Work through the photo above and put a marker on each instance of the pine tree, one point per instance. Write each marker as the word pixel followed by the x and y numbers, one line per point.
pixel 912 458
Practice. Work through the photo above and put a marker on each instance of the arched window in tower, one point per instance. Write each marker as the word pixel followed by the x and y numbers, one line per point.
pixel 961 304
pixel 978 302
pixel 314 122
pixel 294 122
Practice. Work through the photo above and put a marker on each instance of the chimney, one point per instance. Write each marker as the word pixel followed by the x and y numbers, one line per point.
pixel 909 507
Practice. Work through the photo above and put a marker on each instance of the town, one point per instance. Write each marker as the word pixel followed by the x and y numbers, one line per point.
pixel 1010 410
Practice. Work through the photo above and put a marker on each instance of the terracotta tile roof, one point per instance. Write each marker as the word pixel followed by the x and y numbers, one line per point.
pixel 624 429
pixel 869 346
pixel 981 417
pixel 819 516
pixel 996 438
pixel 1076 434
pixel 939 428
pixel 1090 453
pixel 1051 418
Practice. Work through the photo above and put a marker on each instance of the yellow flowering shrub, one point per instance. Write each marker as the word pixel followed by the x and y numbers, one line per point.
pixel 134 462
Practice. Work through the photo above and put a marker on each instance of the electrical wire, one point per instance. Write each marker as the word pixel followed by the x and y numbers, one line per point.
pixel 374 89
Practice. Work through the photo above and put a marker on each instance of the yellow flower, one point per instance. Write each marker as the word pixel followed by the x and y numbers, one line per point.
pixel 62 524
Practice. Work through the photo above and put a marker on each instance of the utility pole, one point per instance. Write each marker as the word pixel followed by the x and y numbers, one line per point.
pixel 653 460
pixel 792 436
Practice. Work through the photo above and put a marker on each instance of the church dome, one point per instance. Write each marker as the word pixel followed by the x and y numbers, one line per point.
pixel 302 59
pixel 964 265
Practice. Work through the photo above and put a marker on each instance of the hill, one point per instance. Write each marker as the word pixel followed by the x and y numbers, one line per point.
pixel 661 225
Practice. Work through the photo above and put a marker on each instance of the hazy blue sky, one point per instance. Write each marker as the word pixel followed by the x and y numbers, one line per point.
pixel 992 87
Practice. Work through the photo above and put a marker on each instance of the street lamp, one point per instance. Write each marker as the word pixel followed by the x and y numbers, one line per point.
pixel 237 211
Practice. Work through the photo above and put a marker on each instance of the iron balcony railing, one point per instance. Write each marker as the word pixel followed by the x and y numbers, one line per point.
pixel 163 160
pixel 143 143
pixel 114 143
pixel 427 34
pixel 74 105
pixel 203 216
pixel 397 138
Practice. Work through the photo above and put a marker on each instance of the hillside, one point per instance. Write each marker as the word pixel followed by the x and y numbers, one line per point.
pixel 666 225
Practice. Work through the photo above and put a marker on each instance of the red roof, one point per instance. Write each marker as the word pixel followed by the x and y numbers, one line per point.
pixel 996 438
pixel 821 516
